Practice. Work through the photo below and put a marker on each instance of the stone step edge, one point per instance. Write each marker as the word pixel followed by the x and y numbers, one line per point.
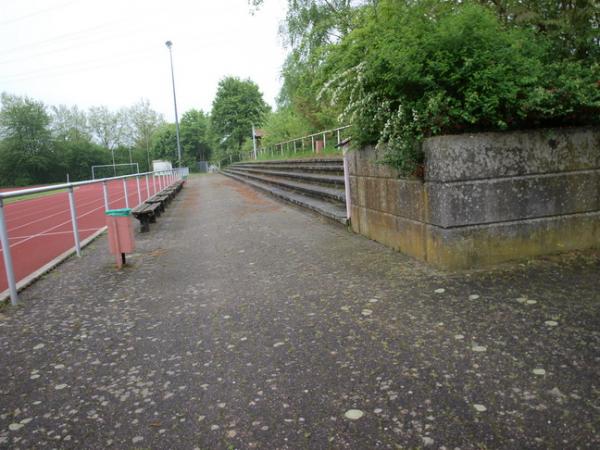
pixel 308 189
pixel 323 179
pixel 294 198
pixel 295 167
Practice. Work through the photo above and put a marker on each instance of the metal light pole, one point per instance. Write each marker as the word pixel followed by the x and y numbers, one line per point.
pixel 254 140
pixel 169 44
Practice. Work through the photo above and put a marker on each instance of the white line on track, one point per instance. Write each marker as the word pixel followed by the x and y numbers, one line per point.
pixel 60 224
pixel 15 217
pixel 56 233
pixel 54 227
pixel 62 211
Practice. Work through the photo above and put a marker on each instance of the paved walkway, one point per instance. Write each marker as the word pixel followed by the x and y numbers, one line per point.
pixel 244 323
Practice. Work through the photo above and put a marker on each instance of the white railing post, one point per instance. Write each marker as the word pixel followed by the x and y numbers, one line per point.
pixel 313 143
pixel 154 182
pixel 147 187
pixel 74 221
pixel 324 141
pixel 126 193
pixel 105 192
pixel 137 182
pixel 8 264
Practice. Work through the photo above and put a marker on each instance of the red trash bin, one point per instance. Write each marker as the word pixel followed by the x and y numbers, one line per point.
pixel 120 234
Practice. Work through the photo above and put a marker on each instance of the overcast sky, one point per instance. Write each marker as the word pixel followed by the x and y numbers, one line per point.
pixel 113 53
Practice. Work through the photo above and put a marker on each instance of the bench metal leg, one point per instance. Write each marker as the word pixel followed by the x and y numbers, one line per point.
pixel 144 225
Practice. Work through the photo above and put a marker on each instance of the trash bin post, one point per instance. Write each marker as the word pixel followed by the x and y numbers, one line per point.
pixel 120 234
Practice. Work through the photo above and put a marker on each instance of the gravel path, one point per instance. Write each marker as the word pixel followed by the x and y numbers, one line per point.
pixel 243 323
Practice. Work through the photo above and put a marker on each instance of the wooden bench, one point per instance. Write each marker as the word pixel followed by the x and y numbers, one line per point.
pixel 159 199
pixel 146 213
pixel 152 208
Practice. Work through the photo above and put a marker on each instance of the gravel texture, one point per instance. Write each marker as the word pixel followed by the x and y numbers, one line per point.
pixel 245 323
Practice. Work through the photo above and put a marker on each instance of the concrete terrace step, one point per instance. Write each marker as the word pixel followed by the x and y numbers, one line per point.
pixel 317 165
pixel 333 211
pixel 333 169
pixel 319 192
pixel 325 180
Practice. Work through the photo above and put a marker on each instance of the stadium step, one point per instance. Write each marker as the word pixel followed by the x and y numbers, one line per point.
pixel 315 184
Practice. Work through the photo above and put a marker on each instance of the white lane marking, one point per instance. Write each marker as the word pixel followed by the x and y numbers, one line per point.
pixel 83 205
pixel 12 217
pixel 55 227
pixel 56 233
pixel 61 224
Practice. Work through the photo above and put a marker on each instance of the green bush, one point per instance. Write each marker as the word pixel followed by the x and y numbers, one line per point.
pixel 425 68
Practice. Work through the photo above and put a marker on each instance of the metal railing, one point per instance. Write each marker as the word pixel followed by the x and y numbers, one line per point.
pixel 296 144
pixel 160 180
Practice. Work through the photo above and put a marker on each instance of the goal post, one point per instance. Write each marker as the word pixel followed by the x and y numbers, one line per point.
pixel 114 170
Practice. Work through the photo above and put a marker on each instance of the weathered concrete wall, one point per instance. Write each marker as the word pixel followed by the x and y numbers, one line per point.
pixel 486 198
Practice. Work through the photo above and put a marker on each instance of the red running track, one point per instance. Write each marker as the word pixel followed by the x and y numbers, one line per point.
pixel 40 229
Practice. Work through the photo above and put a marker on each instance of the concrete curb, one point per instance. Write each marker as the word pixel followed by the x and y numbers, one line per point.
pixel 32 277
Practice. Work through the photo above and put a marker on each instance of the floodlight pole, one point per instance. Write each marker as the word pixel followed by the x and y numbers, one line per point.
pixel 169 44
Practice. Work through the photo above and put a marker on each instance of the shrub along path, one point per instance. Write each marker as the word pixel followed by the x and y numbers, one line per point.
pixel 244 323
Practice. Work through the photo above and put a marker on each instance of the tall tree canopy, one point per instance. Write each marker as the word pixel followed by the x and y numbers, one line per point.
pixel 195 140
pixel 237 106
pixel 26 150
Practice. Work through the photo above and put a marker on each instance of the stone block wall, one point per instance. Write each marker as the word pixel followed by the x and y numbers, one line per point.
pixel 486 197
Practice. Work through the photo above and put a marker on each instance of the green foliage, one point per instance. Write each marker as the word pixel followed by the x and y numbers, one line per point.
pixel 310 29
pixel 571 27
pixel 423 68
pixel 69 124
pixel 26 149
pixel 283 125
pixel 237 106
pixel 76 158
pixel 164 143
pixel 273 154
pixel 195 138
pixel 40 145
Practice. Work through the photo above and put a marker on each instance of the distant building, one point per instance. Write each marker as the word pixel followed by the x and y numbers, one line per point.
pixel 258 135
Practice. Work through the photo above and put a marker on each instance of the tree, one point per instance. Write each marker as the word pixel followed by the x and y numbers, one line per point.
pixel 283 125
pixel 237 106
pixel 76 159
pixel 310 29
pixel 195 141
pixel 111 129
pixel 145 121
pixel 26 151
pixel 164 142
pixel 104 126
pixel 571 26
pixel 69 124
